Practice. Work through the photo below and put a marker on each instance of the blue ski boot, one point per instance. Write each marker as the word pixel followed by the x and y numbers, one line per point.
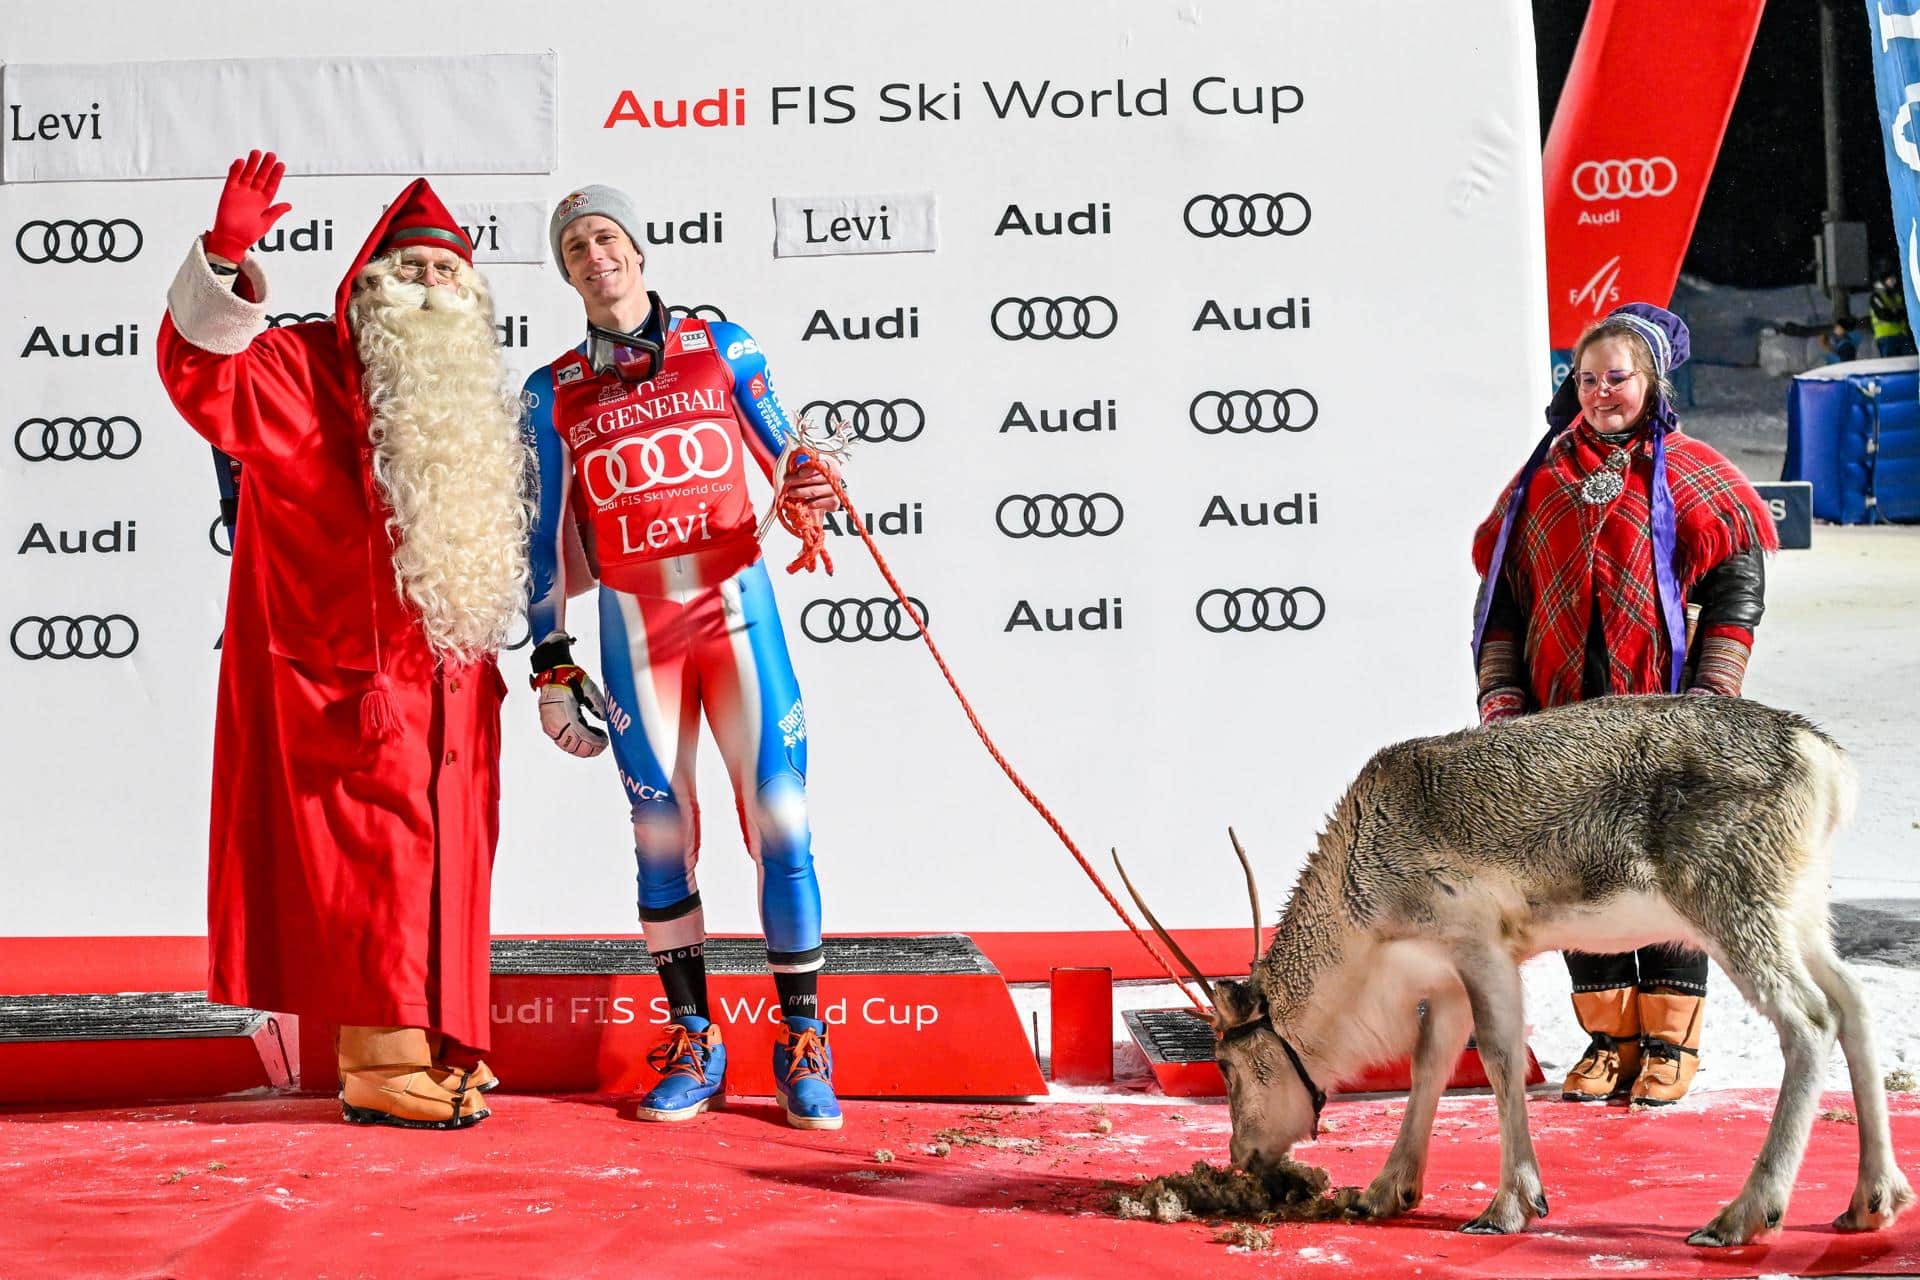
pixel 803 1075
pixel 693 1067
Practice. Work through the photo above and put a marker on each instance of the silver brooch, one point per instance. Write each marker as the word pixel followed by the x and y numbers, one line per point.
pixel 1605 483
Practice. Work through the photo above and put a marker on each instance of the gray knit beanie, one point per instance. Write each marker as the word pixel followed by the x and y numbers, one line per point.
pixel 608 202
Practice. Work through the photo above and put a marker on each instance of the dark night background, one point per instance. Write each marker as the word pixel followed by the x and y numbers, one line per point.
pixel 1764 203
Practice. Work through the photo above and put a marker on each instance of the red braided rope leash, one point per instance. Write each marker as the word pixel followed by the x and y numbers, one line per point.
pixel 808 526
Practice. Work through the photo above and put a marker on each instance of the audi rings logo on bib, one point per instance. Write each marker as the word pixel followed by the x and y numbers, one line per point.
pixel 66 240
pixel 1233 215
pixel 1225 609
pixel 872 420
pixel 659 459
pixel 1238 412
pixel 1624 179
pixel 1062 317
pixel 87 636
pixel 77 439
pixel 881 618
pixel 1059 515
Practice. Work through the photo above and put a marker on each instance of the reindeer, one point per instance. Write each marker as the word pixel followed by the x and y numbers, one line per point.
pixel 1599 827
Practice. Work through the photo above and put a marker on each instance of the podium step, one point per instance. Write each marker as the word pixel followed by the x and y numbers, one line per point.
pixel 914 1017
pixel 141 1046
pixel 1178 1045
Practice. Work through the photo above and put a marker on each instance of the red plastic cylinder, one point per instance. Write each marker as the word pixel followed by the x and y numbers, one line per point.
pixel 1082 1030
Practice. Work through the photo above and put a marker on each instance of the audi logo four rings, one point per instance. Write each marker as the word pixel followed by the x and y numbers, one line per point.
pixel 1239 412
pixel 1624 179
pixel 279 318
pixel 76 439
pixel 87 636
pixel 78 240
pixel 1059 515
pixel 873 420
pixel 1234 215
pixel 877 619
pixel 699 311
pixel 1064 317
pixel 638 463
pixel 1260 609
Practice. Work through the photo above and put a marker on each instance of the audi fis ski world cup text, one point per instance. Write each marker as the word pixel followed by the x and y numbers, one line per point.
pixel 909 102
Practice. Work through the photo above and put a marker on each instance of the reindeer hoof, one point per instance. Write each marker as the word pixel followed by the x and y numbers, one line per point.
pixel 1385 1199
pixel 1736 1224
pixel 1875 1205
pixel 1509 1213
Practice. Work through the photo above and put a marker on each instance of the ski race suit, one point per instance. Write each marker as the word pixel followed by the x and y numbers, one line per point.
pixel 653 475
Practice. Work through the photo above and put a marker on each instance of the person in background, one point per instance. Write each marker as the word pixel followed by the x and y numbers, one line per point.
pixel 1887 310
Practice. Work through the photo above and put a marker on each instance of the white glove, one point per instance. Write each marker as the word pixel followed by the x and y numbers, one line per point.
pixel 561 706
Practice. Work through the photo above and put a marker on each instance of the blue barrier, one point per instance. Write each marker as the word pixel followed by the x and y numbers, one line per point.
pixel 1853 431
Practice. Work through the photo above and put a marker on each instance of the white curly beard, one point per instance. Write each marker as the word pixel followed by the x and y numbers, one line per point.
pixel 447 454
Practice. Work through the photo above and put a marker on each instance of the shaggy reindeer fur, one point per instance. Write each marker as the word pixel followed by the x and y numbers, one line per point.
pixel 1600 827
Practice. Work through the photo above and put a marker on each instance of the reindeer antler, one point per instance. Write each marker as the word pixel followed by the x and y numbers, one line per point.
pixel 1193 970
pixel 1253 892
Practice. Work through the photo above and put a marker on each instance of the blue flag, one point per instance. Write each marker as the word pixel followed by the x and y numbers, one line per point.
pixel 1896 75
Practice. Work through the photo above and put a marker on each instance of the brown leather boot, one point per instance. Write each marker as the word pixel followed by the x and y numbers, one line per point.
pixel 385 1078
pixel 1613 1020
pixel 1669 1046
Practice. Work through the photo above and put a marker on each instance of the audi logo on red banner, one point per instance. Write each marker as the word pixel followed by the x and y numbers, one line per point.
pixel 882 618
pixel 699 311
pixel 1624 179
pixel 279 318
pixel 669 456
pixel 1225 609
pixel 873 420
pixel 87 636
pixel 1239 412
pixel 1063 317
pixel 1059 515
pixel 78 240
pixel 1232 216
pixel 77 439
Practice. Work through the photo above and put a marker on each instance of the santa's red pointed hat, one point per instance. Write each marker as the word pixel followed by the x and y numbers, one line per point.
pixel 419 218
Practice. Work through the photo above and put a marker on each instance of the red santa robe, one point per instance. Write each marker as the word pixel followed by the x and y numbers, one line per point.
pixel 355 778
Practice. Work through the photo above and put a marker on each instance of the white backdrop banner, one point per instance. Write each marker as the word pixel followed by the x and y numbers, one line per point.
pixel 70 122
pixel 1179 432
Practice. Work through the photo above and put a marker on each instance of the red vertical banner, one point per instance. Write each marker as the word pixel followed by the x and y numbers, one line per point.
pixel 1632 145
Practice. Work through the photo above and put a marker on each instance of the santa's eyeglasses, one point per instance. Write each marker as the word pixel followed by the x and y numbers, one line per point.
pixel 412 270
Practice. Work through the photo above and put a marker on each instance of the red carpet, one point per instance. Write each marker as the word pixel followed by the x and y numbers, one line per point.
pixel 573 1187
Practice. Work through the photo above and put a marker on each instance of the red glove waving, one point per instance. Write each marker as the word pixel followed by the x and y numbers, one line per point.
pixel 246 211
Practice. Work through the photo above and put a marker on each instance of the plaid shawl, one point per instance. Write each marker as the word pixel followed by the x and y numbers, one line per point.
pixel 1566 557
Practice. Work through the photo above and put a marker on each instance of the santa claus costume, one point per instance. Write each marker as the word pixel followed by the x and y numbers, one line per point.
pixel 356 748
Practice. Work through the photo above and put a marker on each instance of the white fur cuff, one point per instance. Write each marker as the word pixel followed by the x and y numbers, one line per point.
pixel 206 310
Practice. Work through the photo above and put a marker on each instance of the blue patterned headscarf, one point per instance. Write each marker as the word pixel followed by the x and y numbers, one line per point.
pixel 1665 335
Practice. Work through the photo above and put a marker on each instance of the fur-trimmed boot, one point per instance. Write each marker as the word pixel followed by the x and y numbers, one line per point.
pixel 1612 1018
pixel 1669 1046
